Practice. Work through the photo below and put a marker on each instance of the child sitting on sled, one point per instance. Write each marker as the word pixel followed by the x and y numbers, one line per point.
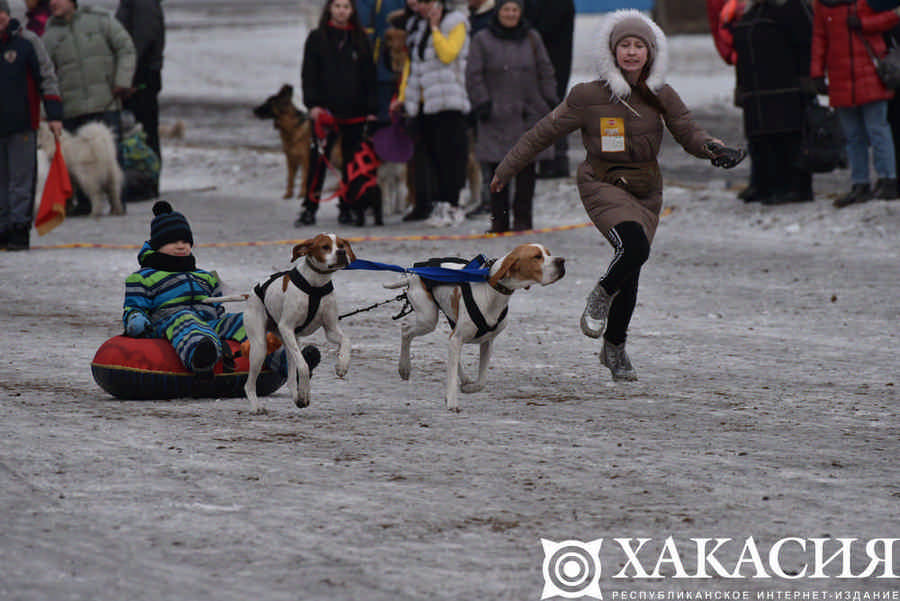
pixel 165 299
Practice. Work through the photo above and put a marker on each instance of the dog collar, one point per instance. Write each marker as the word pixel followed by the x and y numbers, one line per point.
pixel 317 270
pixel 498 286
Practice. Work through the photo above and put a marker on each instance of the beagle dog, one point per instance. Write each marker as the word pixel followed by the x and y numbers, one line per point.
pixel 296 303
pixel 476 310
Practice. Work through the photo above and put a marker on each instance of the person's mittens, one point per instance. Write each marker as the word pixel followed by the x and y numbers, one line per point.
pixel 853 22
pixel 723 156
pixel 138 325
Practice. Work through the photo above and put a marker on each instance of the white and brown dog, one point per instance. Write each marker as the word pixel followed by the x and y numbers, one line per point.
pixel 296 303
pixel 477 310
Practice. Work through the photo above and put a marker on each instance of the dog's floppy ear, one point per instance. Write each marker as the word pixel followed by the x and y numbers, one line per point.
pixel 286 90
pixel 507 264
pixel 301 249
pixel 351 256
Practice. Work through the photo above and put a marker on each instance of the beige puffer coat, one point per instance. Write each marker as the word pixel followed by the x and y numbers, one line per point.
pixel 602 109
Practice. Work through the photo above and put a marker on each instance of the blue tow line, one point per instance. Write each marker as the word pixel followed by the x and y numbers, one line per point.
pixel 473 271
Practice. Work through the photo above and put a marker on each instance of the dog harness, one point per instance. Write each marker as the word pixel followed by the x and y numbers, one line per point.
pixel 316 294
pixel 475 313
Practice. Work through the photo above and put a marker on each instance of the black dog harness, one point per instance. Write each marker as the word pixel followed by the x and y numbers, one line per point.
pixel 316 294
pixel 475 313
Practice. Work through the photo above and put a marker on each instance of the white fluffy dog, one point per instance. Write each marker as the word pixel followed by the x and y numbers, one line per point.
pixel 90 155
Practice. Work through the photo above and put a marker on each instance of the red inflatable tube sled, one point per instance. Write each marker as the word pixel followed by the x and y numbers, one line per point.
pixel 148 369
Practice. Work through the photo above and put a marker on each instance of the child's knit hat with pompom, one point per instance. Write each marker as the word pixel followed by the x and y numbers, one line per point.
pixel 168 226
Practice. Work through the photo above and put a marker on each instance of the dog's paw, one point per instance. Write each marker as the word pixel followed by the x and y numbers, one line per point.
pixel 302 400
pixel 287 195
pixel 405 369
pixel 341 370
pixel 469 387
pixel 259 410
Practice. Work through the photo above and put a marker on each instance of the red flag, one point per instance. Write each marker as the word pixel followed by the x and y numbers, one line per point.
pixel 57 191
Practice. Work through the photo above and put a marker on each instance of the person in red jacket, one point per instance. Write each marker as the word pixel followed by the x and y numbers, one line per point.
pixel 855 90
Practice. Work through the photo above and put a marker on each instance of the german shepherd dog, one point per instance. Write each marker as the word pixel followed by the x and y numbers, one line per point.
pixel 295 129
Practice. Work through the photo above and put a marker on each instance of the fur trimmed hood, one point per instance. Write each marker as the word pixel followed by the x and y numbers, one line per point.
pixel 607 68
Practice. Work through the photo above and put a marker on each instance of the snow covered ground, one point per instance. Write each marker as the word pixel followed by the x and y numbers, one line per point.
pixel 766 341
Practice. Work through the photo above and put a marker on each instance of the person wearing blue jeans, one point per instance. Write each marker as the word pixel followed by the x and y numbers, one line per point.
pixel 866 125
pixel 845 34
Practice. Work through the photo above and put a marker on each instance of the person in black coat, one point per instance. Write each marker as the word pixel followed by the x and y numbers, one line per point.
pixel 772 40
pixel 555 21
pixel 338 77
pixel 144 20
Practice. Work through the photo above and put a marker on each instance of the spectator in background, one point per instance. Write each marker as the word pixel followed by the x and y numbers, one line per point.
pixel 338 77
pixel 772 44
pixel 434 93
pixel 95 60
pixel 374 17
pixel 856 91
pixel 720 22
pixel 555 21
pixel 892 38
pixel 38 13
pixel 481 14
pixel 26 78
pixel 144 20
pixel 511 85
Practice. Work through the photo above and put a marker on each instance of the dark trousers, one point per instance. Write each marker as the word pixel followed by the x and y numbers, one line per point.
pixel 523 200
pixel 144 104
pixel 424 178
pixel 893 117
pixel 445 143
pixel 632 249
pixel 351 137
pixel 774 158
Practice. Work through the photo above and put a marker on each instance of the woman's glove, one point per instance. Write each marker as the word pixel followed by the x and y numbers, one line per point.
pixel 724 156
pixel 138 325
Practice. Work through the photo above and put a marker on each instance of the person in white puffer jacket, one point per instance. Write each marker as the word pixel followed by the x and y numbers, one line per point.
pixel 434 94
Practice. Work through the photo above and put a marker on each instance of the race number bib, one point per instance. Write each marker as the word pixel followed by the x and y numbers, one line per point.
pixel 612 134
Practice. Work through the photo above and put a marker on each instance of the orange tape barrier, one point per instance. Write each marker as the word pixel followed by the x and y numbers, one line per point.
pixel 411 238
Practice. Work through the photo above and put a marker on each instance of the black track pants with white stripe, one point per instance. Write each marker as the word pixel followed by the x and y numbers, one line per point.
pixel 632 249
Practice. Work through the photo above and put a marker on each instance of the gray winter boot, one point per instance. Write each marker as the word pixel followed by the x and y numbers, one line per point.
pixel 616 359
pixel 593 320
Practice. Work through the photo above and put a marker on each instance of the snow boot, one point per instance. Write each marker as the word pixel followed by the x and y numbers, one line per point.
pixel 859 193
pixel 204 358
pixel 885 189
pixel 19 238
pixel 616 359
pixel 596 309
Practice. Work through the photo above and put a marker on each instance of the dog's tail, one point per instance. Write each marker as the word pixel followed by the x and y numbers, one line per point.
pixel 404 283
pixel 234 298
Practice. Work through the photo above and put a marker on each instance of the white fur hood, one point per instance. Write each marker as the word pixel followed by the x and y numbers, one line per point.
pixel 607 68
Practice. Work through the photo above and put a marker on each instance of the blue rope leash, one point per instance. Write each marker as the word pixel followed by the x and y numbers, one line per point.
pixel 471 272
